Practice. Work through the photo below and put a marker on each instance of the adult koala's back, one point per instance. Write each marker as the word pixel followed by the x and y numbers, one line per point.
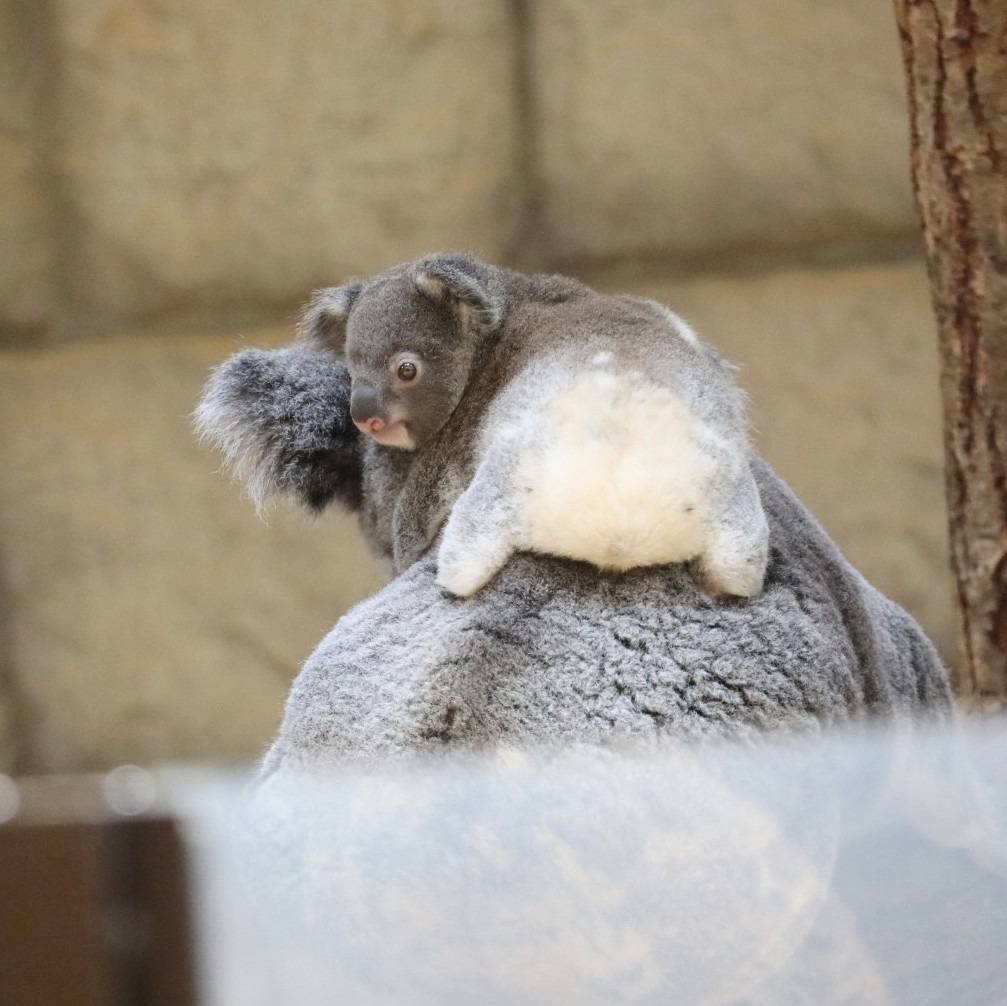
pixel 555 650
pixel 552 649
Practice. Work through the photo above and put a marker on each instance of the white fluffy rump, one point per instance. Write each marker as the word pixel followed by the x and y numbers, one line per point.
pixel 617 471
pixel 599 462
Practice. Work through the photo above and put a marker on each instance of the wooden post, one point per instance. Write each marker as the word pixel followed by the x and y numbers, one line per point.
pixel 955 56
pixel 94 907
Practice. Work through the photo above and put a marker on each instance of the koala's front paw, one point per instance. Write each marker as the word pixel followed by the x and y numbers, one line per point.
pixel 736 571
pixel 737 551
pixel 477 541
pixel 465 564
pixel 742 581
pixel 462 576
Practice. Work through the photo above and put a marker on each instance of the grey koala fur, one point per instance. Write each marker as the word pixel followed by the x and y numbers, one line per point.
pixel 582 425
pixel 552 650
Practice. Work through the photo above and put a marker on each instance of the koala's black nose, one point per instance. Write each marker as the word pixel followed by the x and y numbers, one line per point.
pixel 364 404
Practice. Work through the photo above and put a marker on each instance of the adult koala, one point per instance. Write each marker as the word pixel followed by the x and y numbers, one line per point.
pixel 552 649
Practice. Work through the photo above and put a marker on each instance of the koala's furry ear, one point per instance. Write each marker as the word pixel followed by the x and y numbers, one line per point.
pixel 281 418
pixel 465 283
pixel 324 319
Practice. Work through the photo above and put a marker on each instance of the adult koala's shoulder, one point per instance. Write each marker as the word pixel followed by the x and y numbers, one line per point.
pixel 552 649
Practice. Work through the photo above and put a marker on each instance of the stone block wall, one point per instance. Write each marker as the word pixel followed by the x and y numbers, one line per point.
pixel 688 128
pixel 288 143
pixel 26 238
pixel 175 178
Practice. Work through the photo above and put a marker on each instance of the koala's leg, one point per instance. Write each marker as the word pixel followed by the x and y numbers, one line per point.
pixel 737 549
pixel 480 534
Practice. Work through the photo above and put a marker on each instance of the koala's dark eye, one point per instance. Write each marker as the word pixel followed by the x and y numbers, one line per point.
pixel 407 371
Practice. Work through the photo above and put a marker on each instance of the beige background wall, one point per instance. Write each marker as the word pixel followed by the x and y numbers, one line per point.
pixel 175 177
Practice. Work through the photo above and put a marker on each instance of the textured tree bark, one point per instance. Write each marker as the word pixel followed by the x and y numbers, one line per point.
pixel 955 55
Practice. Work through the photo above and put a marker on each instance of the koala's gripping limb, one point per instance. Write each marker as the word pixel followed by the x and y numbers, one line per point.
pixel 480 535
pixel 737 550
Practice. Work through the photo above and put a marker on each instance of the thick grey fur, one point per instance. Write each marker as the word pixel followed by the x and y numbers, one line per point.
pixel 552 650
pixel 498 350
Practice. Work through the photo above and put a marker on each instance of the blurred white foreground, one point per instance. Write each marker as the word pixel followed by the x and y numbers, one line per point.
pixel 866 868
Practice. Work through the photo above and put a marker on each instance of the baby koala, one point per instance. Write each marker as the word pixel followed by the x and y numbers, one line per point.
pixel 601 428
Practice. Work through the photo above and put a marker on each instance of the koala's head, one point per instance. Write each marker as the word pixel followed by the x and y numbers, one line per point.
pixel 408 338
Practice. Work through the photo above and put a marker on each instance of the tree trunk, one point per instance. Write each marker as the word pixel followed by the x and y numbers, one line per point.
pixel 955 54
